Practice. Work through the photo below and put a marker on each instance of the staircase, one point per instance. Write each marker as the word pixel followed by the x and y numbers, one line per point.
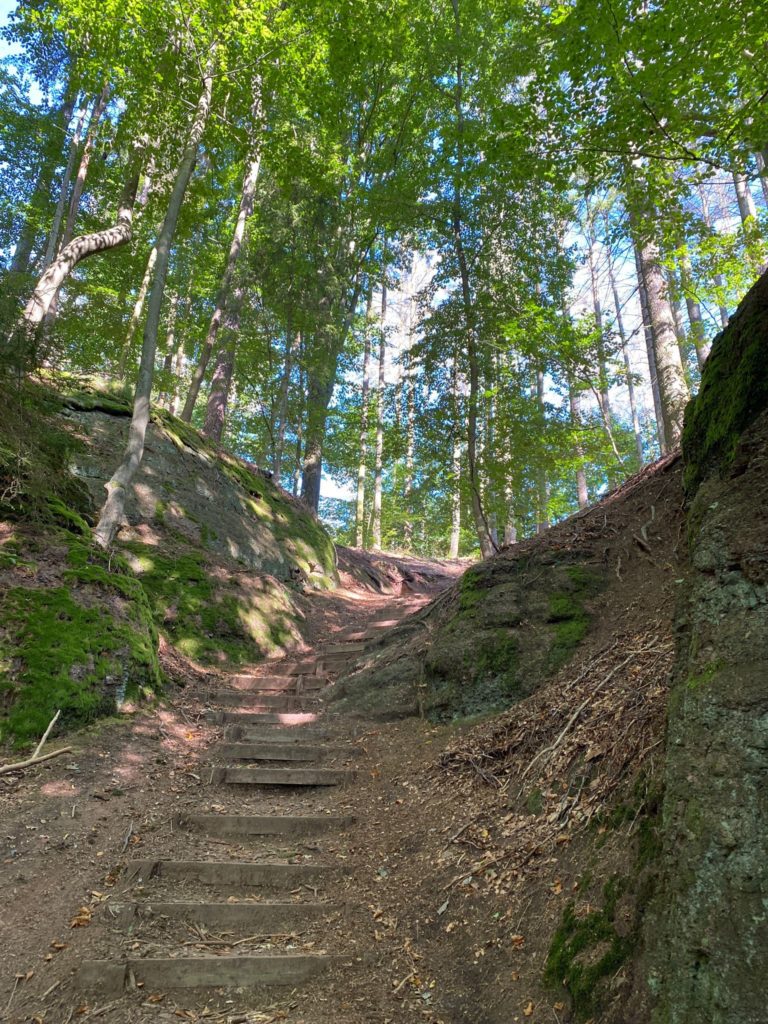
pixel 253 894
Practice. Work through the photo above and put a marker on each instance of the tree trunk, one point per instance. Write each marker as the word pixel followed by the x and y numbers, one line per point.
pixel 224 371
pixel 649 348
pixel 673 389
pixel 718 278
pixel 542 483
pixel 292 345
pixel 379 456
pixel 52 245
pixel 42 190
pixel 138 309
pixel 297 469
pixel 582 494
pixel 247 194
pixel 82 172
pixel 761 158
pixel 744 197
pixel 363 441
pixel 693 308
pixel 487 547
pixel 114 507
pixel 453 548
pixel 625 355
pixel 319 393
pixel 79 249
pixel 410 416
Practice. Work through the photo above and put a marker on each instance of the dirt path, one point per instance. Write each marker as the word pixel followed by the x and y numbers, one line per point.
pixel 230 815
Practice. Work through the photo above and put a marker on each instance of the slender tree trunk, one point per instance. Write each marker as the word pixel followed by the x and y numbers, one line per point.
pixel 627 363
pixel 379 454
pixel 113 510
pixel 224 371
pixel 605 402
pixel 292 345
pixel 52 245
pixel 363 440
pixel 85 160
pixel 718 278
pixel 645 314
pixel 170 346
pixel 761 158
pixel 582 494
pixel 487 546
pixel 673 389
pixel 410 418
pixel 235 249
pixel 453 548
pixel 79 249
pixel 542 483
pixel 698 336
pixel 42 190
pixel 744 197
pixel 297 469
pixel 319 392
pixel 510 526
pixel 138 309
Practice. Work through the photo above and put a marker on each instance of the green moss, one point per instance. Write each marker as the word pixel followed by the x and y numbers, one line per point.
pixel 587 949
pixel 202 618
pixel 98 401
pixel 70 655
pixel 701 680
pixel 734 391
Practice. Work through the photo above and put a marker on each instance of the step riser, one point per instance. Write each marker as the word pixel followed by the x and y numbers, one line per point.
pixel 340 650
pixel 252 918
pixel 289 719
pixel 268 752
pixel 274 734
pixel 278 684
pixel 268 825
pixel 282 776
pixel 261 701
pixel 112 979
pixel 287 876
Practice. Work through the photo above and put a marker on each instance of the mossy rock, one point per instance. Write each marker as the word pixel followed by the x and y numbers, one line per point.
pixel 734 390
pixel 587 950
pixel 82 648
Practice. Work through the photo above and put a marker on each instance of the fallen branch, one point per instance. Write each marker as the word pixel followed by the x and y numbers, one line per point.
pixel 6 768
pixel 47 733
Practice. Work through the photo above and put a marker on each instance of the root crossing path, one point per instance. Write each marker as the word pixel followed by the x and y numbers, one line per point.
pixel 252 904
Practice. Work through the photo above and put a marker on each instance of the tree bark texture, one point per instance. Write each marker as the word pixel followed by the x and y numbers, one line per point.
pixel 363 441
pixel 79 249
pixel 673 389
pixel 379 454
pixel 244 212
pixel 114 507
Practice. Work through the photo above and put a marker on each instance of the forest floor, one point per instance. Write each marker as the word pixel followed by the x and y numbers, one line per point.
pixel 471 840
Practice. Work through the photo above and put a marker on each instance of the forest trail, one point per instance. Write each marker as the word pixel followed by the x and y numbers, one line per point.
pixel 236 907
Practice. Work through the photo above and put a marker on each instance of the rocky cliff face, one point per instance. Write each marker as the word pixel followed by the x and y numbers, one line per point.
pixel 709 934
pixel 210 557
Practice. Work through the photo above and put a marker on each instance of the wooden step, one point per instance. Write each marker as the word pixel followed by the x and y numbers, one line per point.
pixel 275 733
pixel 306 667
pixel 353 647
pixel 263 825
pixel 282 776
pixel 268 752
pixel 247 682
pixel 289 719
pixel 257 918
pixel 112 978
pixel 227 873
pixel 261 701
